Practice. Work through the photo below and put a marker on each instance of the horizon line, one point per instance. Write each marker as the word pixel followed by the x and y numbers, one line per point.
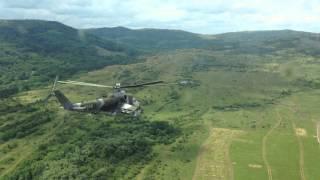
pixel 151 28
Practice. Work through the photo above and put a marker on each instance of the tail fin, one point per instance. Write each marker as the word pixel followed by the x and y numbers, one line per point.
pixel 64 101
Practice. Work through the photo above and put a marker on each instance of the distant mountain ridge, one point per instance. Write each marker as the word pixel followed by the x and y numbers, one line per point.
pixel 151 39
pixel 246 41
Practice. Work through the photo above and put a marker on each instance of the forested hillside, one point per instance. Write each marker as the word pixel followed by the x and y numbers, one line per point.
pixel 151 40
pixel 32 52
pixel 43 143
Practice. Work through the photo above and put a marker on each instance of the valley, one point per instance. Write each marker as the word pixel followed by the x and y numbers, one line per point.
pixel 252 114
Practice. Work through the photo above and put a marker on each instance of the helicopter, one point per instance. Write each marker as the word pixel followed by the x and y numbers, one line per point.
pixel 117 102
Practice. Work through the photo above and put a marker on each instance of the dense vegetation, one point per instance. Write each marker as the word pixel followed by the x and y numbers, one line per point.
pixel 77 146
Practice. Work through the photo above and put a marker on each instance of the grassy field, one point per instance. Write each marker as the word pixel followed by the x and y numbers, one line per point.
pixel 247 117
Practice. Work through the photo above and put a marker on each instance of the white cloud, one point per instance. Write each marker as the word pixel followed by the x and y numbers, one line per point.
pixel 203 16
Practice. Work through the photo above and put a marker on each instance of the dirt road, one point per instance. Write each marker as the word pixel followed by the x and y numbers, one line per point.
pixel 264 146
pixel 295 110
pixel 318 132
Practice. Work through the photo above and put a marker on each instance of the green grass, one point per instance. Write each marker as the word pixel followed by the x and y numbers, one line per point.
pixel 245 151
pixel 283 151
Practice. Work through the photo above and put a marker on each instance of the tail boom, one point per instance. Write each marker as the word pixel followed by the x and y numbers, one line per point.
pixel 63 100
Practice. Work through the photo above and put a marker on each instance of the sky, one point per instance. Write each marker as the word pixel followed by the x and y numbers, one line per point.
pixel 199 16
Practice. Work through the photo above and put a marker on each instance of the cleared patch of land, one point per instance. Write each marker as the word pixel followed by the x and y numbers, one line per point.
pixel 301 132
pixel 255 165
pixel 213 161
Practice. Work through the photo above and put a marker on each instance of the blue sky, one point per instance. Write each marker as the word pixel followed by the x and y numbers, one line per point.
pixel 200 16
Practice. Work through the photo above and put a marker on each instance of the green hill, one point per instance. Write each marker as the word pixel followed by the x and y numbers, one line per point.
pixel 32 52
pixel 151 39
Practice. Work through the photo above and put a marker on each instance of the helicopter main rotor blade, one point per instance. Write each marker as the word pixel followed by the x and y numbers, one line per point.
pixel 142 84
pixel 84 84
pixel 114 87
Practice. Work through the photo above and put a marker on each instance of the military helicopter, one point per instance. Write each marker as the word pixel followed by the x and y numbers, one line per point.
pixel 117 102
